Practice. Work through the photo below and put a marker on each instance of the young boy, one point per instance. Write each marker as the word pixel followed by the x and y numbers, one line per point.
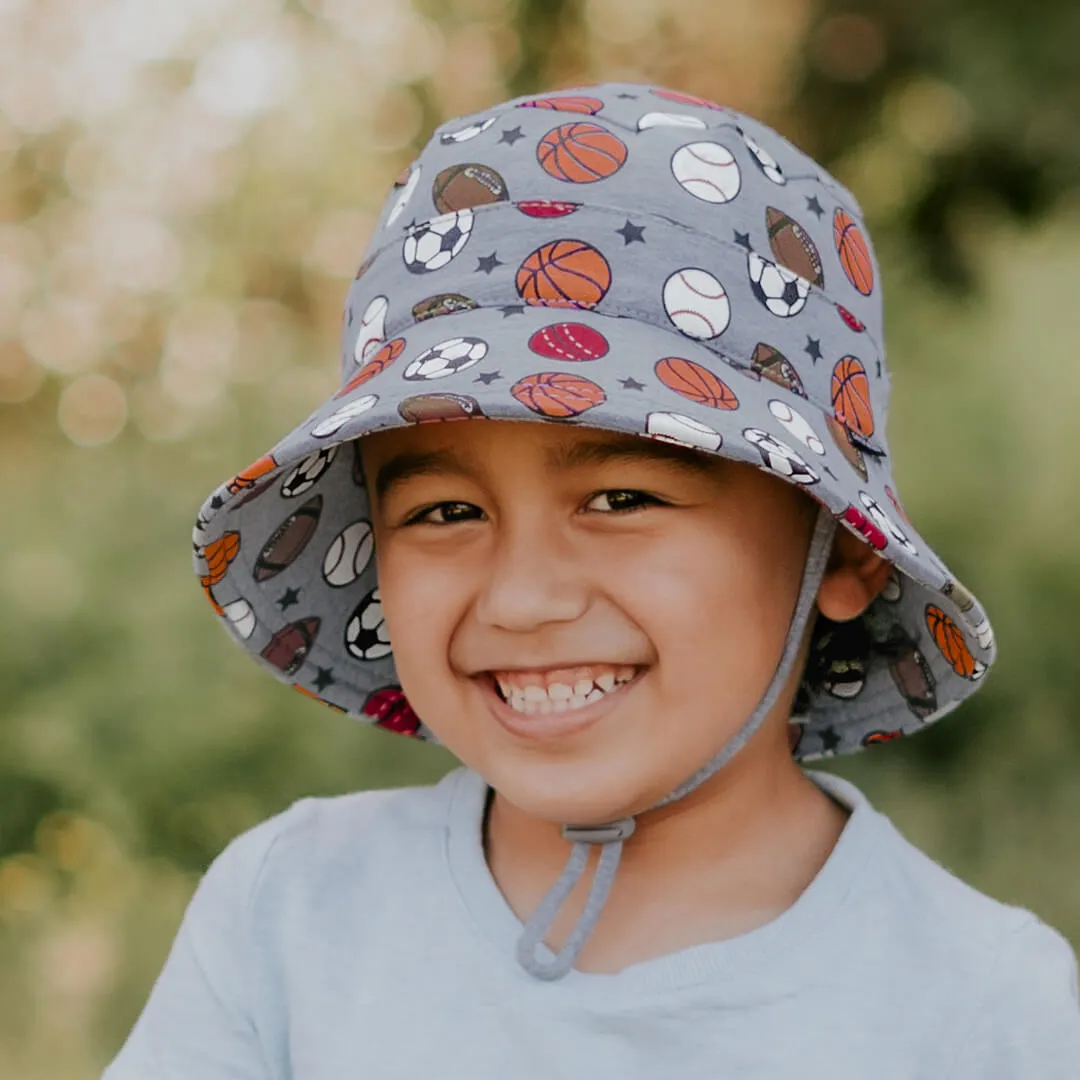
pixel 631 614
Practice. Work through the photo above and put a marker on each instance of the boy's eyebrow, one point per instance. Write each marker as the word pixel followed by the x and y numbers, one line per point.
pixel 410 463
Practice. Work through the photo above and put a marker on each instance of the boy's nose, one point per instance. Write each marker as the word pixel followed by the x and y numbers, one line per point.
pixel 532 579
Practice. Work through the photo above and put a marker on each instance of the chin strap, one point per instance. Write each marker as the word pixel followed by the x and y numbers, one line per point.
pixel 611 836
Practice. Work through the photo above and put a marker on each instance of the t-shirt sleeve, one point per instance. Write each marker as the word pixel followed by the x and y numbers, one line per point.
pixel 1028 1023
pixel 199 1020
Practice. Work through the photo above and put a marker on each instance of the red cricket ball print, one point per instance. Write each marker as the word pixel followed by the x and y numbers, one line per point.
pixel 546 208
pixel 581 153
pixel 558 395
pixel 850 320
pixel 865 528
pixel 569 341
pixel 390 709
pixel 695 382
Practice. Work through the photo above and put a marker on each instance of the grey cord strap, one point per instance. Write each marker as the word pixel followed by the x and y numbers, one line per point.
pixel 611 836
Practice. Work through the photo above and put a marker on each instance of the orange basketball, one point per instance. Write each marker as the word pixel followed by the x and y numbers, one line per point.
pixel 218 554
pixel 379 362
pixel 695 382
pixel 951 642
pixel 564 273
pixel 246 477
pixel 557 395
pixel 581 153
pixel 851 396
pixel 567 103
pixel 854 253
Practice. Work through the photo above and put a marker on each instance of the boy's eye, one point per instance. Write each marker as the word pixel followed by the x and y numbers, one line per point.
pixel 445 513
pixel 618 501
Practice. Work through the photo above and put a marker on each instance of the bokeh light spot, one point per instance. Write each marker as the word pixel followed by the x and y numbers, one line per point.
pixel 92 410
pixel 848 48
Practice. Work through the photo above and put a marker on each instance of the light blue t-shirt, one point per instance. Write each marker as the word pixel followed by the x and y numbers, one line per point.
pixel 362 937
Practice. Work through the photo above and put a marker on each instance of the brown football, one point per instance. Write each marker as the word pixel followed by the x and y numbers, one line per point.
pixel 425 408
pixel 461 187
pixel 792 247
pixel 288 540
pixel 289 647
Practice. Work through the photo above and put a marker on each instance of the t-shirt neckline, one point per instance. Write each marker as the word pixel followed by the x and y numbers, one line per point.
pixel 495 921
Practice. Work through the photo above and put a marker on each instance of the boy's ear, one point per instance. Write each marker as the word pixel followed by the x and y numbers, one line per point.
pixel 854 576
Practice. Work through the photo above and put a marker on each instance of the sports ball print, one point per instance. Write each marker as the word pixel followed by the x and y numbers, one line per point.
pixel 288 540
pixel 564 273
pixel 682 431
pixel 770 363
pixel 886 523
pixel 546 208
pixel 366 636
pixel 695 382
pixel 685 99
pixel 315 697
pixel 852 454
pixel 218 556
pixel 797 426
pixel 247 478
pixel 862 526
pixel 854 252
pixel 446 358
pixel 792 247
pixel 950 641
pixel 442 304
pixel 975 620
pixel 241 617
pixel 851 396
pixel 307 473
pixel 372 325
pixel 572 103
pixel 348 555
pixel 558 395
pixel 390 709
pixel 377 363
pixel 763 159
pixel 337 420
pixel 850 321
pixel 406 193
pixel 782 291
pixel 696 303
pixel 708 171
pixel 466 133
pixel 891 496
pixel 432 244
pixel 581 153
pixel 779 458
pixel 428 408
pixel 461 187
pixel 910 672
pixel 569 341
pixel 668 119
pixel 289 647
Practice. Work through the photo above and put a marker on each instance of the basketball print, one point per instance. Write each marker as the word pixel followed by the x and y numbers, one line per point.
pixel 442 304
pixel 792 247
pixel 708 171
pixel 289 647
pixel 854 252
pixel 668 119
pixel 557 395
pixel 573 103
pixel 768 165
pixel 247 478
pixel 546 208
pixel 217 555
pixel 695 382
pixel 380 361
pixel 682 431
pixel 696 303
pixel 464 134
pixel 564 273
pixel 332 424
pixel 288 540
pixel 684 99
pixel 348 555
pixel 461 187
pixel 406 193
pixel 446 358
pixel 795 424
pixel 770 363
pixel 872 738
pixel 852 454
pixel 569 341
pixel 581 153
pixel 851 396
pixel 372 325
pixel 950 641
pixel 428 408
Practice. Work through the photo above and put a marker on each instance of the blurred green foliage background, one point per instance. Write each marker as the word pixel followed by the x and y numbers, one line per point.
pixel 185 190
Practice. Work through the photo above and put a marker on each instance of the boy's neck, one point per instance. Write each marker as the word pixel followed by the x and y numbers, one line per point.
pixel 729 857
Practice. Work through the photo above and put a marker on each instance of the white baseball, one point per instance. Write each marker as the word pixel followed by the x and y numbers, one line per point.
pixel 349 554
pixel 697 303
pixel 683 430
pixel 239 613
pixel 405 196
pixel 470 131
pixel 797 425
pixel 372 326
pixel 667 119
pixel 708 171
pixel 337 420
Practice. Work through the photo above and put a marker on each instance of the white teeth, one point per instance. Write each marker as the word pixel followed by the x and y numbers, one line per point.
pixel 582 687
pixel 535 693
pixel 594 695
pixel 606 682
pixel 560 692
pixel 535 700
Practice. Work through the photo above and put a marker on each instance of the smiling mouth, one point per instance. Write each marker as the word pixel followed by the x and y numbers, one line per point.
pixel 559 690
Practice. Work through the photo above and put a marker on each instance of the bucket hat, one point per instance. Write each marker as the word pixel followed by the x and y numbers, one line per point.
pixel 635 259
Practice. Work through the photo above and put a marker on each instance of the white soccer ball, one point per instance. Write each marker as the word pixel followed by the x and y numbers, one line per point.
pixel 348 555
pixel 446 358
pixel 307 473
pixel 886 523
pixel 764 160
pixel 781 290
pixel 431 245
pixel 778 457
pixel 366 636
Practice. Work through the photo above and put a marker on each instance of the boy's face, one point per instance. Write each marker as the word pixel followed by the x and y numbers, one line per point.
pixel 631 597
